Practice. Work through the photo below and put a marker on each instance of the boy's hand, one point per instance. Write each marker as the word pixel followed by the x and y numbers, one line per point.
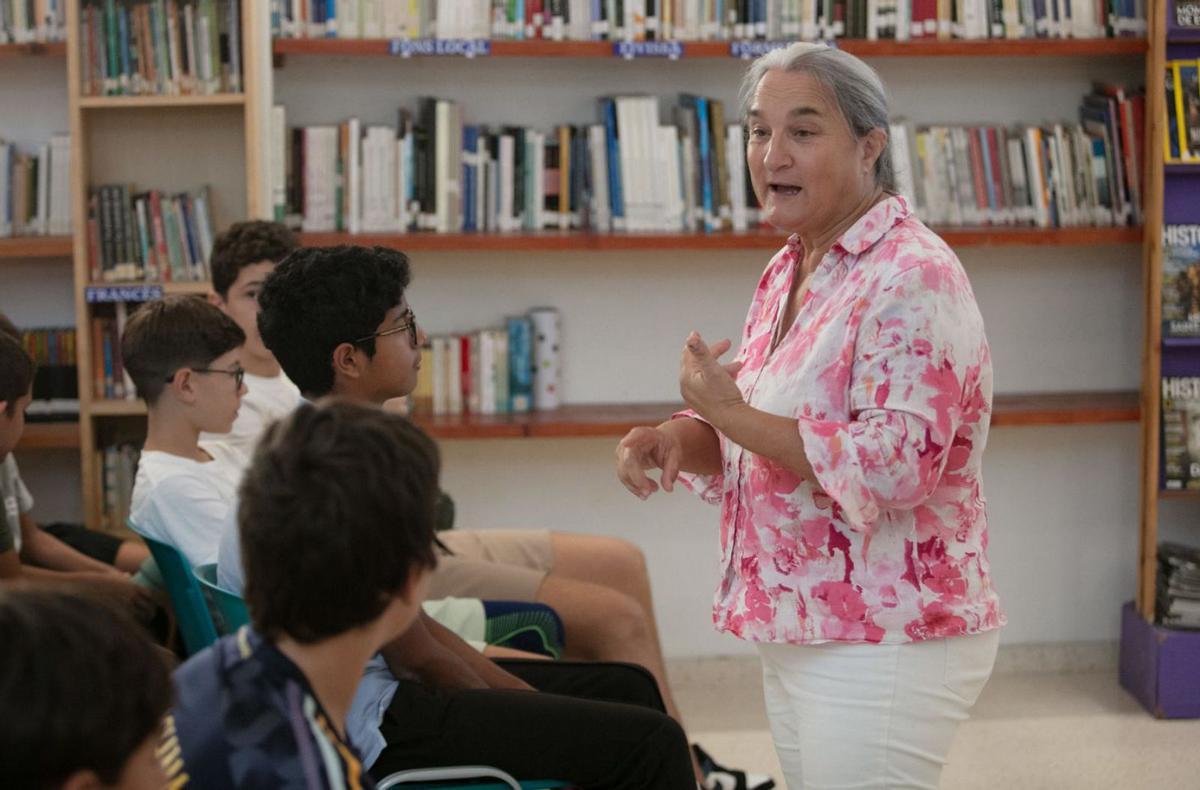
pixel 124 592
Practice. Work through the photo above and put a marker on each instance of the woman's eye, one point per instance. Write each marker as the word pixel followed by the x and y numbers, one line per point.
pixel 801 133
pixel 758 133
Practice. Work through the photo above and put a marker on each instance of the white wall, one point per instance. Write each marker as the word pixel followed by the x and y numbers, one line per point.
pixel 1063 500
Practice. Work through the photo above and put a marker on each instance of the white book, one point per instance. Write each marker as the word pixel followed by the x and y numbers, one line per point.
pixel 475 345
pixel 400 184
pixel 901 163
pixel 601 218
pixel 349 23
pixel 441 397
pixel 370 20
pixel 736 157
pixel 492 199
pixel 41 221
pixel 669 181
pixel 455 170
pixel 505 204
pixel 454 374
pixel 196 37
pixel 320 165
pixel 353 174
pixel 277 163
pixel 6 157
pixel 441 167
pixel 487 372
pixel 537 174
pixel 60 184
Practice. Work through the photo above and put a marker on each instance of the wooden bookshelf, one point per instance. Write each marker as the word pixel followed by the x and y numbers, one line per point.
pixel 1102 47
pixel 117 408
pixel 142 102
pixel 56 49
pixel 49 436
pixel 36 247
pixel 566 241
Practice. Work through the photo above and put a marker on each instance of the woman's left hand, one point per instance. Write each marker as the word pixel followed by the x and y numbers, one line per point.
pixel 706 384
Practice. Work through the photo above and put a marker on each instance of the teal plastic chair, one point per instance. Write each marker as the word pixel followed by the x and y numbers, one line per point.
pixel 460 777
pixel 191 609
pixel 229 610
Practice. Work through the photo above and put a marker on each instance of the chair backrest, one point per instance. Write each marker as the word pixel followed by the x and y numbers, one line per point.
pixel 230 607
pixel 191 610
pixel 461 777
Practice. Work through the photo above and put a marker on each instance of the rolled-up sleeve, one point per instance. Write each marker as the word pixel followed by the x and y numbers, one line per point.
pixel 915 345
pixel 708 487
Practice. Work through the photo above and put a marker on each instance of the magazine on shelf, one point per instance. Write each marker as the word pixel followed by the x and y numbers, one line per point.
pixel 1181 432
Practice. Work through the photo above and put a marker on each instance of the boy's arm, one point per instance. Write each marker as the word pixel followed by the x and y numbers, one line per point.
pixel 10 565
pixel 42 549
pixel 441 659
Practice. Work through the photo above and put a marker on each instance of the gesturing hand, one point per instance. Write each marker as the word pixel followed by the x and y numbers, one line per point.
pixel 706 384
pixel 647 448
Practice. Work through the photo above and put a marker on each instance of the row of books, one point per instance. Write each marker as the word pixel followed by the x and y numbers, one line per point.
pixel 152 236
pixel 168 47
pixel 1181 132
pixel 433 172
pixel 1052 175
pixel 1177 599
pixel 696 20
pixel 30 21
pixel 110 381
pixel 117 474
pixel 35 189
pixel 55 382
pixel 510 369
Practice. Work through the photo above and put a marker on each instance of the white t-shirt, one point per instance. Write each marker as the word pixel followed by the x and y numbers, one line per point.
pixel 16 501
pixel 266 400
pixel 184 502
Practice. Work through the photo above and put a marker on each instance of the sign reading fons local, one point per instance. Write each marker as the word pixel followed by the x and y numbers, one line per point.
pixel 446 47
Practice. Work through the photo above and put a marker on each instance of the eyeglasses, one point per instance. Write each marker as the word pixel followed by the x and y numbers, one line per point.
pixel 409 324
pixel 238 373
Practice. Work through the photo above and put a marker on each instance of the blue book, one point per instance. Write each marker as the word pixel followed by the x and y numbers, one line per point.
pixel 520 364
pixel 188 218
pixel 331 19
pixel 123 33
pixel 469 143
pixel 700 104
pixel 616 198
pixel 985 150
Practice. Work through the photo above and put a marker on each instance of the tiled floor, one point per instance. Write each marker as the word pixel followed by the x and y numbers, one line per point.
pixel 1027 732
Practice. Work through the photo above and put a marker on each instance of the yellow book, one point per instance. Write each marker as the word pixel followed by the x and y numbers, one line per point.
pixel 1180 117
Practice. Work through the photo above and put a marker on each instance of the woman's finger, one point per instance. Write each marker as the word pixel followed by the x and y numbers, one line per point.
pixel 670 468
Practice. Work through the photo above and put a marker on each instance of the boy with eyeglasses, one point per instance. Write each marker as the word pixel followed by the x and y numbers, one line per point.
pixel 184 356
pixel 242 258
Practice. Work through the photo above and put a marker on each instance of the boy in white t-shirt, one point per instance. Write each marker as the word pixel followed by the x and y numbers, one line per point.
pixel 184 355
pixel 242 257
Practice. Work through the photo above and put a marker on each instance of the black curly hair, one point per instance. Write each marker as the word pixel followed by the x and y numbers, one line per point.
pixel 321 297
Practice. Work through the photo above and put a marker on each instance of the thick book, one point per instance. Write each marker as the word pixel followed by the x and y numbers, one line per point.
pixel 1181 432
pixel 1181 281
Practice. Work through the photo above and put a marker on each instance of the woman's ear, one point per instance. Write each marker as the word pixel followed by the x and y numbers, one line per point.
pixel 874 144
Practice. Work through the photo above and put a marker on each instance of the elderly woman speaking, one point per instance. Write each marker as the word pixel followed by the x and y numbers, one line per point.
pixel 844 446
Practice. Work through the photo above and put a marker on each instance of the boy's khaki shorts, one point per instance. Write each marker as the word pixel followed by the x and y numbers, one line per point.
pixel 493 564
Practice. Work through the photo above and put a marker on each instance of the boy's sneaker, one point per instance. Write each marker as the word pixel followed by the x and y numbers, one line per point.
pixel 718 777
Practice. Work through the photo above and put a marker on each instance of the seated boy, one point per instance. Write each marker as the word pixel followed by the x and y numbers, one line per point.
pixel 83 694
pixel 184 356
pixel 339 286
pixel 27 553
pixel 242 257
pixel 346 494
pixel 66 547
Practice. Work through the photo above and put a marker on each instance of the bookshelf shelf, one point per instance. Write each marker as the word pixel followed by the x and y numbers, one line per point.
pixel 616 419
pixel 56 49
pixel 562 241
pixel 50 436
pixel 721 49
pixel 136 102
pixel 36 247
pixel 1181 168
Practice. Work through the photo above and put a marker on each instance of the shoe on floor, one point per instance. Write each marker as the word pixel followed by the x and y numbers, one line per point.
pixel 718 777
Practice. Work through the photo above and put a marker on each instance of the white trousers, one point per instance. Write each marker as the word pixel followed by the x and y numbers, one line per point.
pixel 857 716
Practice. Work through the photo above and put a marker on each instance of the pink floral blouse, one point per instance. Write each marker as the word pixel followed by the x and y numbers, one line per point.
pixel 887 371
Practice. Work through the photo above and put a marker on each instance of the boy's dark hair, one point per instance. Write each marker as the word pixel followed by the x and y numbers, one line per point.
pixel 247 243
pixel 82 688
pixel 347 494
pixel 16 372
pixel 321 297
pixel 7 327
pixel 172 333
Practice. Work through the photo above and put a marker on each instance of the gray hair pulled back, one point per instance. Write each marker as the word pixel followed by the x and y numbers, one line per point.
pixel 855 86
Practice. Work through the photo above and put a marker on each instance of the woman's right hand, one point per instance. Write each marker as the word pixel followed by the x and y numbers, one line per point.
pixel 648 448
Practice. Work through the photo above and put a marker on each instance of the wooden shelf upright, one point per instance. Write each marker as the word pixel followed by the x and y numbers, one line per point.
pixel 84 111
